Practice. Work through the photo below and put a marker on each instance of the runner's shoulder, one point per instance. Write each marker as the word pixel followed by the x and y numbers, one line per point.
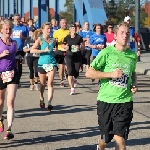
pixel 131 53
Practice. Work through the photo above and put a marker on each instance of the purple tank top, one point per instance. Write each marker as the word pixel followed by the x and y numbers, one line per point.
pixel 8 62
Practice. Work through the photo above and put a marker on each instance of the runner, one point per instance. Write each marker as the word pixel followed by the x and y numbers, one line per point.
pixel 86 53
pixel 9 75
pixel 32 60
pixel 30 24
pixel 46 63
pixel 97 42
pixel 19 34
pixel 132 41
pixel 73 43
pixel 60 34
pixel 115 66
pixel 110 35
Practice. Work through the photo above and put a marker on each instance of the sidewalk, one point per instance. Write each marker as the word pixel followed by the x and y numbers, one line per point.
pixel 143 67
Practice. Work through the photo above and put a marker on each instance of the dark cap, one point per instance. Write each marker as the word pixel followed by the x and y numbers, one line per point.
pixel 73 25
pixel 32 28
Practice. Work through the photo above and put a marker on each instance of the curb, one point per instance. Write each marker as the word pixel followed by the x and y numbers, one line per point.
pixel 143 71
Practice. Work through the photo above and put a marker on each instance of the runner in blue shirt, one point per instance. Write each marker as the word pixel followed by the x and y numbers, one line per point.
pixel 97 40
pixel 86 54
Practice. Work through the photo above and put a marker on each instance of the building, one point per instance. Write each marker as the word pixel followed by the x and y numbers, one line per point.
pixel 35 13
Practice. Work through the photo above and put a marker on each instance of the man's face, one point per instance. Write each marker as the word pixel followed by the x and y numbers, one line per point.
pixel 129 21
pixel 86 25
pixel 17 20
pixel 122 35
pixel 63 24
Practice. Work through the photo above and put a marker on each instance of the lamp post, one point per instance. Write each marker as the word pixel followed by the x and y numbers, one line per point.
pixel 137 23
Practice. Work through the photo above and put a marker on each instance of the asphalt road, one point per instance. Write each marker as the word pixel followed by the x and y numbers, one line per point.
pixel 72 125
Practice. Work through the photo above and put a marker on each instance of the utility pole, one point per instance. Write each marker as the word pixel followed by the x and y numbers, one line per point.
pixel 137 23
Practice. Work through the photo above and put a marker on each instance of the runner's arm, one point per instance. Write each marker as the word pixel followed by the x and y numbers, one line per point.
pixel 34 48
pixel 93 74
pixel 134 79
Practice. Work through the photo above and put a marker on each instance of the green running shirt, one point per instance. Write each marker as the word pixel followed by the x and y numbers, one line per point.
pixel 115 90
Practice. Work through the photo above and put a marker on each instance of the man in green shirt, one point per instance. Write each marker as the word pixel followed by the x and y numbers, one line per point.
pixel 115 67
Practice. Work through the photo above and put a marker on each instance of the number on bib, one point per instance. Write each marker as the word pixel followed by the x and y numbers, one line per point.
pixel 7 76
pixel 120 82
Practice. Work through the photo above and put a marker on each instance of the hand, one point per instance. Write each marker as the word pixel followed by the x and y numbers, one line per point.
pixel 77 47
pixel 66 47
pixel 21 35
pixel 86 43
pixel 99 47
pixel 46 49
pixel 5 53
pixel 134 89
pixel 117 74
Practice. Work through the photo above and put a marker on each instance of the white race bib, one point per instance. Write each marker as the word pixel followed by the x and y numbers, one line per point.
pixel 16 34
pixel 120 82
pixel 7 76
pixel 73 48
pixel 48 67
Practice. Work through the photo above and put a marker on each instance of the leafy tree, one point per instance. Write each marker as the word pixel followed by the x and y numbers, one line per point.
pixel 68 13
pixel 147 21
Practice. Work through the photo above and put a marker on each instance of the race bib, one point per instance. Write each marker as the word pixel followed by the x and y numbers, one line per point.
pixel 73 48
pixel 48 67
pixel 120 82
pixel 111 44
pixel 16 34
pixel 7 76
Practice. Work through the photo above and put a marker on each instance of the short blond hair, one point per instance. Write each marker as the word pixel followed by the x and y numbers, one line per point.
pixel 119 25
pixel 6 21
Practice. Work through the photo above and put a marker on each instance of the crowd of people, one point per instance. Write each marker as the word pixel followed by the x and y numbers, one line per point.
pixel 53 48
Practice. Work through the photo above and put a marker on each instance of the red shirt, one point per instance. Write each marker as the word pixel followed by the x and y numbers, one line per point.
pixel 109 37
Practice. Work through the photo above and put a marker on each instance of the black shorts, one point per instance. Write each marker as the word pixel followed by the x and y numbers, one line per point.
pixel 60 57
pixel 15 80
pixel 114 119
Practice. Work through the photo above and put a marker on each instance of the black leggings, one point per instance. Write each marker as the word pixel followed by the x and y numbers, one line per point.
pixel 19 63
pixel 33 66
pixel 86 55
pixel 73 63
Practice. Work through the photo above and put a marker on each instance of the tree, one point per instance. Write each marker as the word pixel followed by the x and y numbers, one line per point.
pixel 68 13
pixel 147 22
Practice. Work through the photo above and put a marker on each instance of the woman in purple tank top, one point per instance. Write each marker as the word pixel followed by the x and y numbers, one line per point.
pixel 8 75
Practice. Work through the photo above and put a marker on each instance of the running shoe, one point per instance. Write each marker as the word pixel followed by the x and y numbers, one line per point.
pixel 19 85
pixel 9 135
pixel 72 91
pixel 36 86
pixel 42 104
pixel 62 84
pixel 1 125
pixel 75 83
pixel 50 107
pixel 31 87
pixel 93 80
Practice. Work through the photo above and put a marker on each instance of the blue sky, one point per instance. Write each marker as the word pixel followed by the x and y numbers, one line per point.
pixel 27 5
pixel 52 4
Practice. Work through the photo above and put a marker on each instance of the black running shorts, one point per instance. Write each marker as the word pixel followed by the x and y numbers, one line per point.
pixel 114 119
